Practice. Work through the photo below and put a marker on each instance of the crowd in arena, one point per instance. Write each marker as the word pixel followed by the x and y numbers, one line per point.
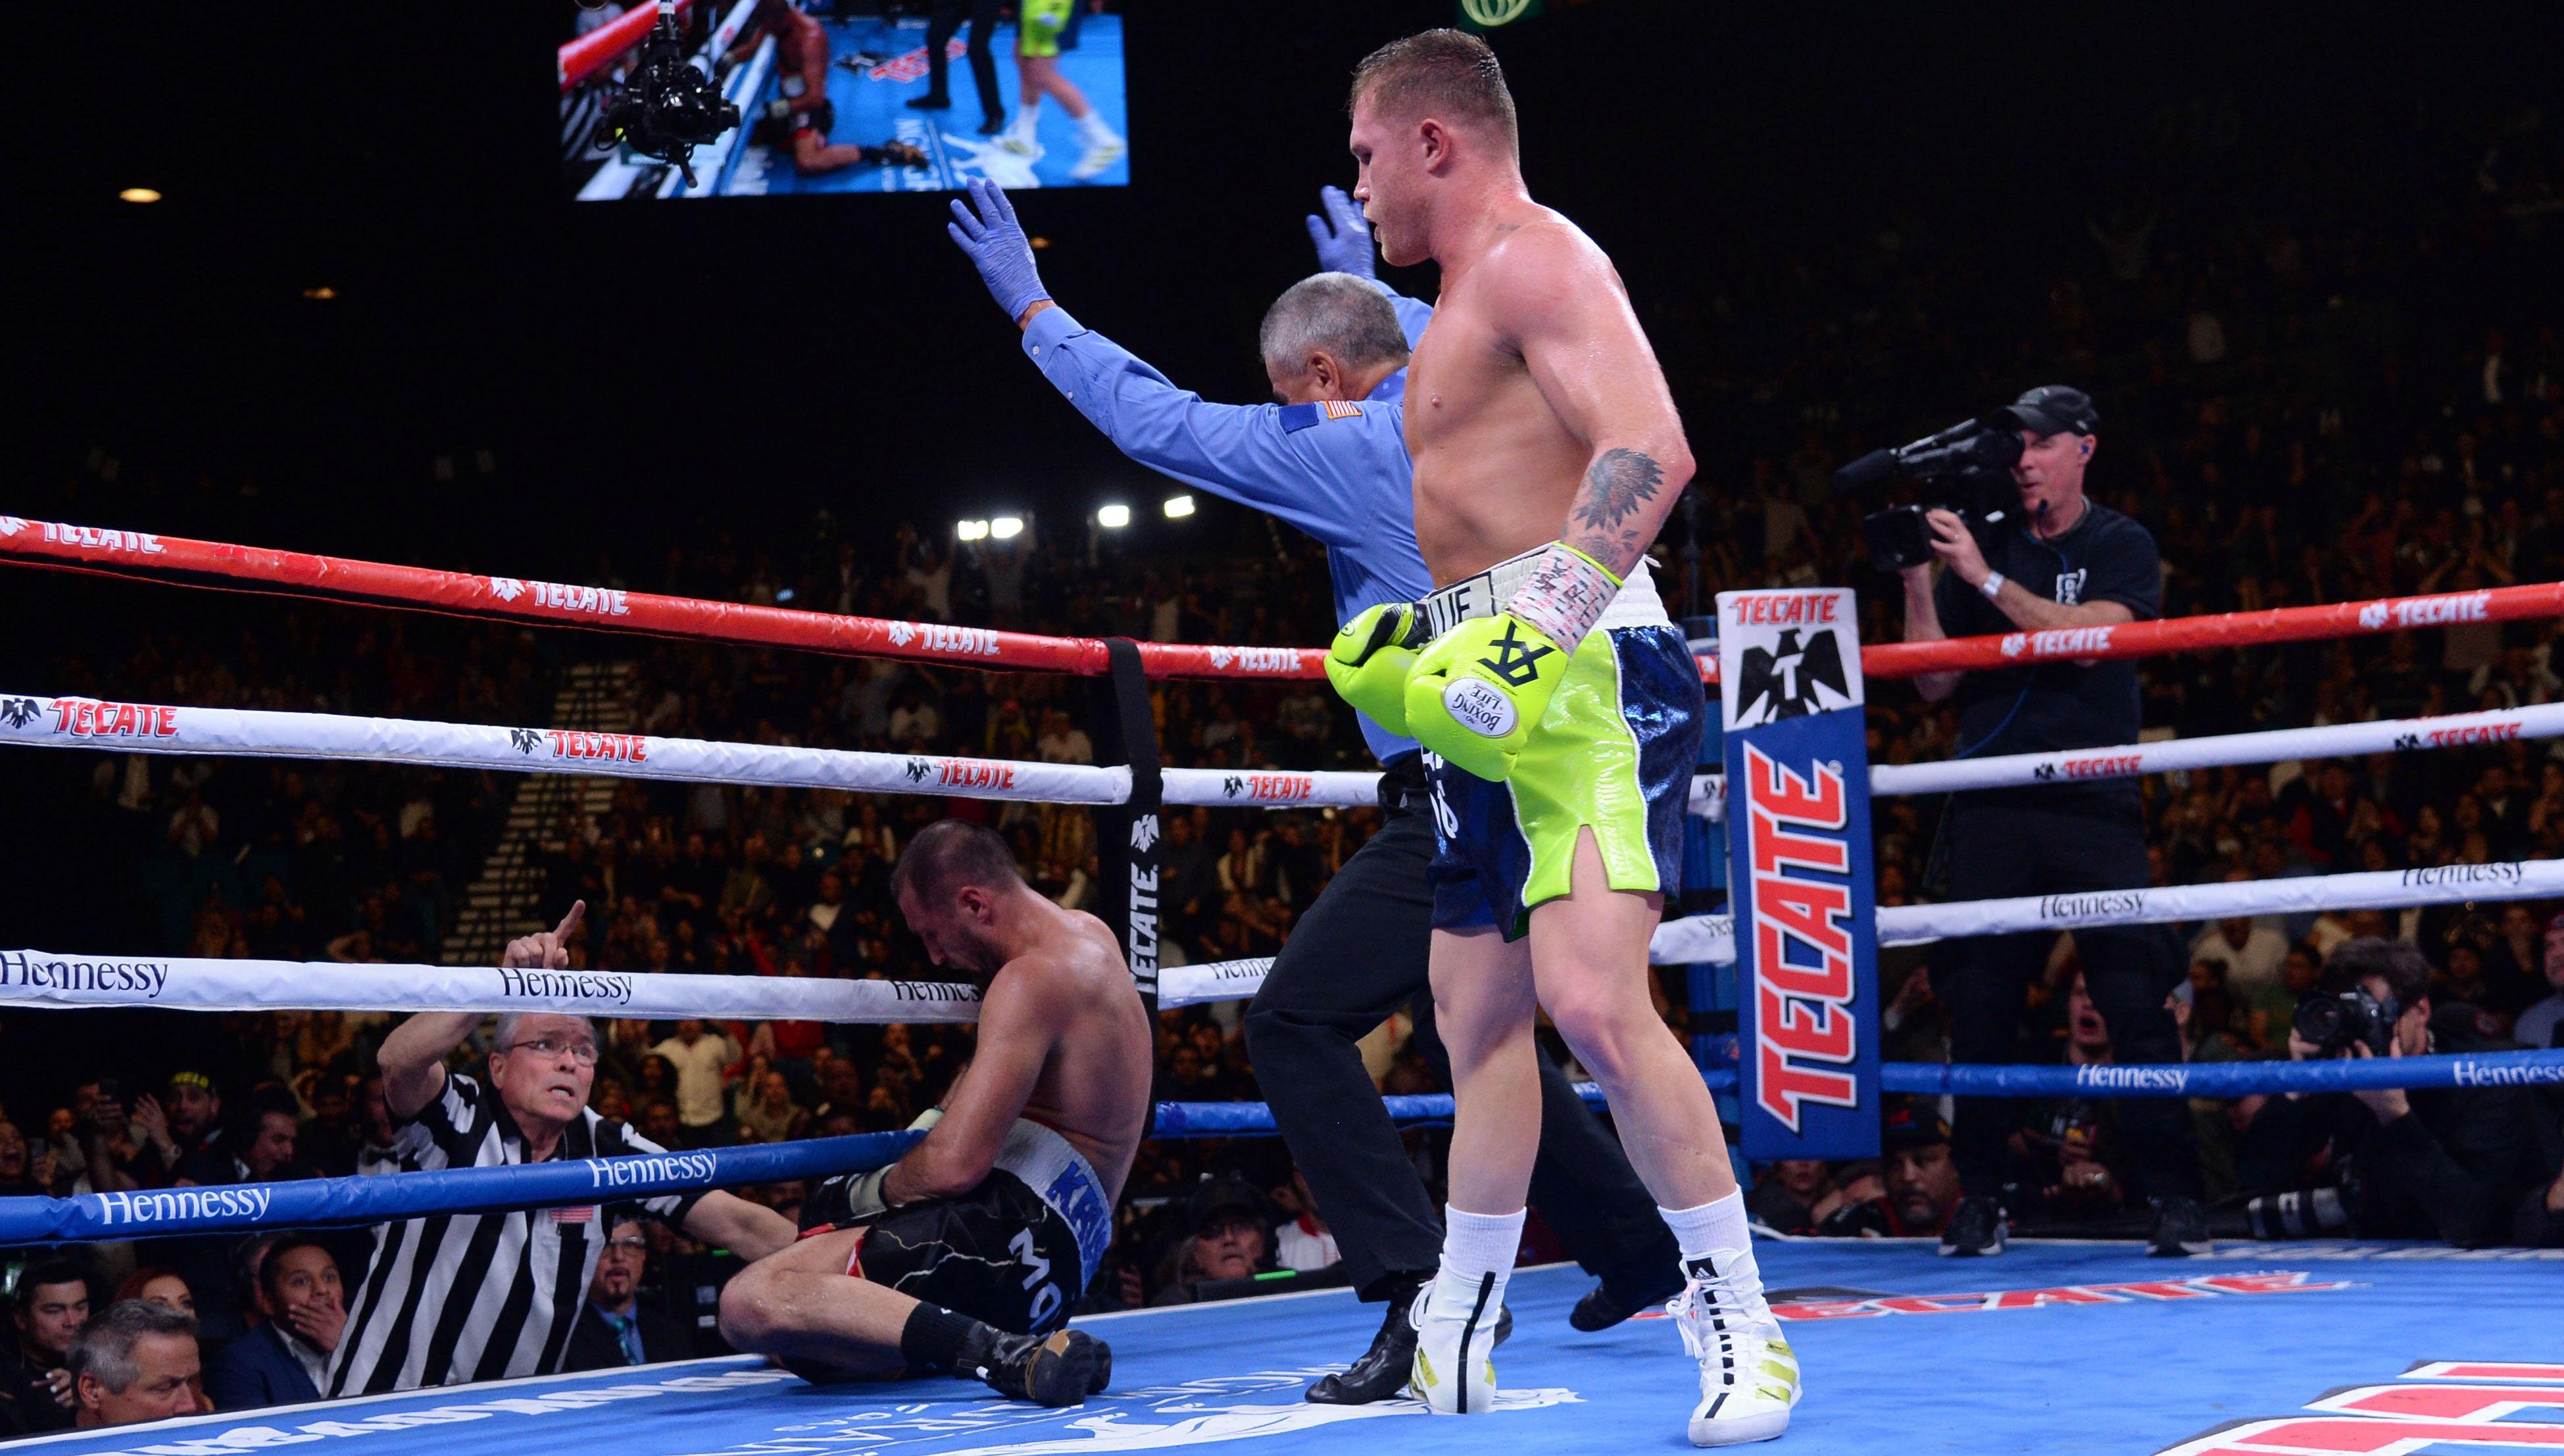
pixel 2287 435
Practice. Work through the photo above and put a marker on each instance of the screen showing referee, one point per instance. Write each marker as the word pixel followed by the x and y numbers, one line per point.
pixel 464 1297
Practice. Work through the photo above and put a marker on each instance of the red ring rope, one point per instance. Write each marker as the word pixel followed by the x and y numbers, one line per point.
pixel 559 604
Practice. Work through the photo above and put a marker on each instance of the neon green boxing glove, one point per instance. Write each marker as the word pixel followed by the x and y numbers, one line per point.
pixel 1478 691
pixel 1368 660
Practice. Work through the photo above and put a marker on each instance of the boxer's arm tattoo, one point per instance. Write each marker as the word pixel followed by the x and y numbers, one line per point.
pixel 1617 488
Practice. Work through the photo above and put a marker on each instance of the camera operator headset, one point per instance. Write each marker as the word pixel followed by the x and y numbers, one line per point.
pixel 2453 1164
pixel 2061 560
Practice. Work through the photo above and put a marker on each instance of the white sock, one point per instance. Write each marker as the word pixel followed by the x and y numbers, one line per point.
pixel 1718 1229
pixel 1717 1224
pixel 1475 1245
pixel 1092 127
pixel 1027 118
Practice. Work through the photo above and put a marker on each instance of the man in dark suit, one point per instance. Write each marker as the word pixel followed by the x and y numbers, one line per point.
pixel 303 1309
pixel 613 1329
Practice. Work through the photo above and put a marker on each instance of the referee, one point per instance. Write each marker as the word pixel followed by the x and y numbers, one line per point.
pixel 1332 459
pixel 455 1298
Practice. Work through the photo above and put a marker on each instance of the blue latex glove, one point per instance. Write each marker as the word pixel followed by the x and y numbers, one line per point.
pixel 1342 238
pixel 985 228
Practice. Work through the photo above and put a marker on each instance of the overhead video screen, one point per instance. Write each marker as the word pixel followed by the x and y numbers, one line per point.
pixel 853 95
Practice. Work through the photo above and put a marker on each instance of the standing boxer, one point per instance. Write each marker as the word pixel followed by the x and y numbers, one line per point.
pixel 1560 710
pixel 1331 459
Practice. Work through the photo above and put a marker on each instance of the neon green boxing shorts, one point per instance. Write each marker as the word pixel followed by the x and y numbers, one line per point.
pixel 1037 29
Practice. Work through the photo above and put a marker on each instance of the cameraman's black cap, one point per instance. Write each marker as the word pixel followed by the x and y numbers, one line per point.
pixel 2052 409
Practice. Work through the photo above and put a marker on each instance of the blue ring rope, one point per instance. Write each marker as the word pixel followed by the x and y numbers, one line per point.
pixel 324 1202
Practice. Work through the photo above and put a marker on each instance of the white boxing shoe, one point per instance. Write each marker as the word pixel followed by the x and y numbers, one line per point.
pixel 1749 1376
pixel 1455 1367
pixel 1099 159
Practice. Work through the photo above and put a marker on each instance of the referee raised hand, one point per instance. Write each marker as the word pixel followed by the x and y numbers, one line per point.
pixel 494 1296
pixel 547 950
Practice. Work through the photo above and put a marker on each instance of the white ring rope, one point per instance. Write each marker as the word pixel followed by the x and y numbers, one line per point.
pixel 143 728
pixel 190 983
pixel 1711 939
pixel 37 978
pixel 1906 925
pixel 78 723
pixel 48 978
pixel 2334 741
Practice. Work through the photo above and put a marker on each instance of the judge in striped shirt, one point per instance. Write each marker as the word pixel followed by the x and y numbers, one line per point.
pixel 455 1298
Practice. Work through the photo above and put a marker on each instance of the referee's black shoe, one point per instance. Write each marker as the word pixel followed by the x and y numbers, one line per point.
pixel 1624 1292
pixel 1975 1230
pixel 1384 1369
pixel 2179 1229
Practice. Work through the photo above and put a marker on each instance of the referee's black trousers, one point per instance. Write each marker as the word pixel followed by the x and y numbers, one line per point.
pixel 1358 956
pixel 939 30
pixel 2001 850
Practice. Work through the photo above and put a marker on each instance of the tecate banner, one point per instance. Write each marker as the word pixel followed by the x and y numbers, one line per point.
pixel 1800 886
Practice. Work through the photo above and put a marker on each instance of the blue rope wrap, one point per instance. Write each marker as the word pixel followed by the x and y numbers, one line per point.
pixel 2230 1079
pixel 326 1202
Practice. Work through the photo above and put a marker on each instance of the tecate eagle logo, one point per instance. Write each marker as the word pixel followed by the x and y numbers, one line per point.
pixel 2426 612
pixel 593 601
pixel 1256 658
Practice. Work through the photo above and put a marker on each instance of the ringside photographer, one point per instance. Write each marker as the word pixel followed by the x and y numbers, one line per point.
pixel 2028 550
pixel 2451 1164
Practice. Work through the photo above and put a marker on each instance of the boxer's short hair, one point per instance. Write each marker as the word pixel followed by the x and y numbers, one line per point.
pixel 1439 73
pixel 945 857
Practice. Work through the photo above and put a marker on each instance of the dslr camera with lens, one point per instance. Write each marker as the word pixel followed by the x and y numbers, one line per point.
pixel 2333 1024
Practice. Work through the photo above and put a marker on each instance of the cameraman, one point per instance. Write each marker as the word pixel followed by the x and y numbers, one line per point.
pixel 2450 1164
pixel 2061 560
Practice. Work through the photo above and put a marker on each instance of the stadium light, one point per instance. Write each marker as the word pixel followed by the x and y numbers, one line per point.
pixel 1007 527
pixel 1178 506
pixel 1112 517
pixel 972 530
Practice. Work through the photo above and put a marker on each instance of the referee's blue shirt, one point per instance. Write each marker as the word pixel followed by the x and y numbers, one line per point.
pixel 1339 471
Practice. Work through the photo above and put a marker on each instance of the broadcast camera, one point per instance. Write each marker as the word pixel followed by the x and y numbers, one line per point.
pixel 670 106
pixel 1964 470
